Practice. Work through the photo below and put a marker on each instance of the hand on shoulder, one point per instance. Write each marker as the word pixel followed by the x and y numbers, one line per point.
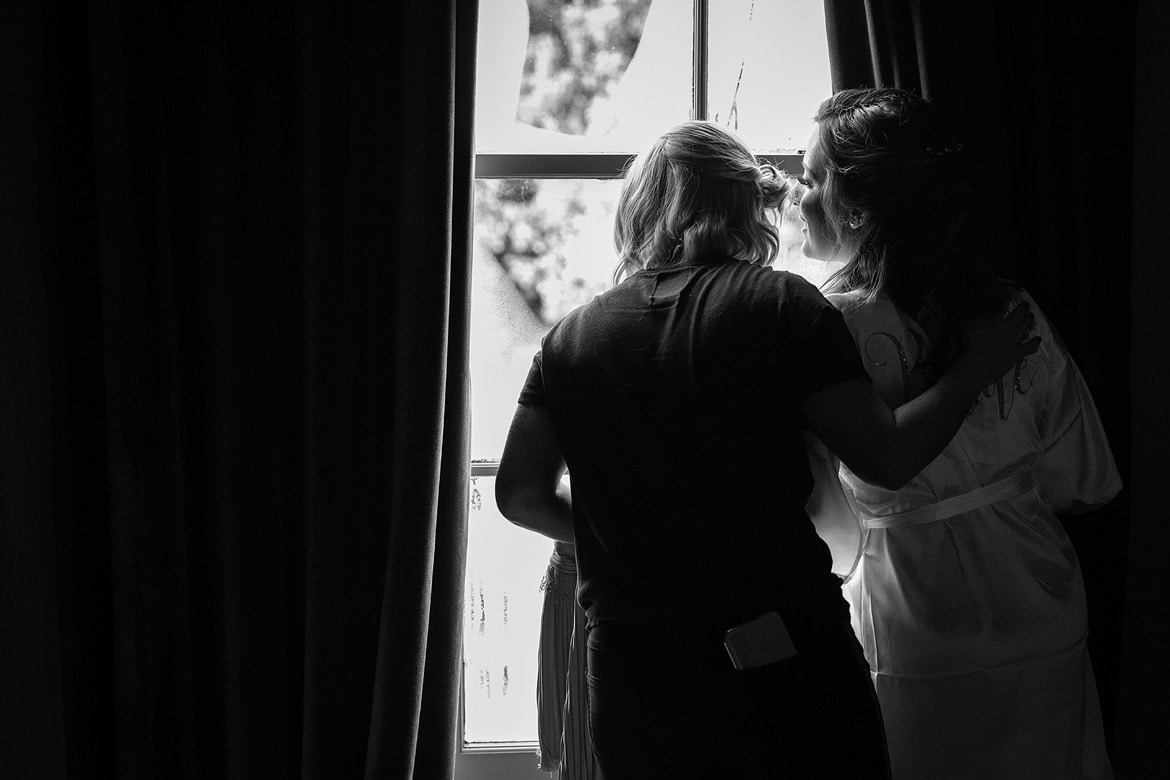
pixel 996 342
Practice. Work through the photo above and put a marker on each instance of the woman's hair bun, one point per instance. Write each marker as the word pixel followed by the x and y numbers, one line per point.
pixel 775 186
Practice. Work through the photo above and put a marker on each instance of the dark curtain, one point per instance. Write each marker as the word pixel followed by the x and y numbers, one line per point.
pixel 1041 94
pixel 234 258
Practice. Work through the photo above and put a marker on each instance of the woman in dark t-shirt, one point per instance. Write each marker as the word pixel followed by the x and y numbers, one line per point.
pixel 719 641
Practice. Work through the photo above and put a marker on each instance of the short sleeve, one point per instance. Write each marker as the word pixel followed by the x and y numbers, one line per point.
pixel 532 394
pixel 825 352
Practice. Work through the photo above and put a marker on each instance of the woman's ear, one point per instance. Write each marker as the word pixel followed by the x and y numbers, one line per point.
pixel 856 219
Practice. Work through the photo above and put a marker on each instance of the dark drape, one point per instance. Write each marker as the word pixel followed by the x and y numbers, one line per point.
pixel 1042 97
pixel 234 258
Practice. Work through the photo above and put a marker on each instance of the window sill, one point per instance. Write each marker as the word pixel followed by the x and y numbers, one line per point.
pixel 495 748
pixel 514 762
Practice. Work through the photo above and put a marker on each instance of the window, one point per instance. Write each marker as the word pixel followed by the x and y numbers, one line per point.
pixel 567 92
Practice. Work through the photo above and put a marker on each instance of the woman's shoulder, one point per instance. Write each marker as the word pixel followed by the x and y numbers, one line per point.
pixel 773 286
pixel 866 312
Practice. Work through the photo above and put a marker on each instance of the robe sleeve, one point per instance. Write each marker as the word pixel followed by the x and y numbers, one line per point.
pixel 832 508
pixel 1076 472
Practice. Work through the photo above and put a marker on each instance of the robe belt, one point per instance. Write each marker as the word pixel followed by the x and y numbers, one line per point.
pixel 1002 490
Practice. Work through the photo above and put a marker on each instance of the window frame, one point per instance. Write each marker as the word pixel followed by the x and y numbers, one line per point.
pixel 500 165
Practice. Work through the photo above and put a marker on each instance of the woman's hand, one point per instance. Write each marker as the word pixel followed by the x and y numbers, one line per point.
pixel 997 342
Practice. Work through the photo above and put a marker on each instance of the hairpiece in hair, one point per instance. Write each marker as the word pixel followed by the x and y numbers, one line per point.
pixel 949 149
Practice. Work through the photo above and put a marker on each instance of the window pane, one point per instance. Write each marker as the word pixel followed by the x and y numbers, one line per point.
pixel 572 77
pixel 501 623
pixel 542 248
pixel 768 69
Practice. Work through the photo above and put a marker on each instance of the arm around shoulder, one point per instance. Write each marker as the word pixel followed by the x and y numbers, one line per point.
pixel 889 447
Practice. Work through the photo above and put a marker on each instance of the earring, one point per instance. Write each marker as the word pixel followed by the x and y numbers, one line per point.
pixel 855 222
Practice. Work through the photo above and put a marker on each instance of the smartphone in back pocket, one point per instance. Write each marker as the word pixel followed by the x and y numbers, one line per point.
pixel 760 641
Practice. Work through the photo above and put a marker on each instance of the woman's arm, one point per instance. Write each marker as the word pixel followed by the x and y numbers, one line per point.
pixel 889 447
pixel 529 490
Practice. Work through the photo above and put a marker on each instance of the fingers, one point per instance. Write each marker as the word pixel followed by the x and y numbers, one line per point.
pixel 1024 320
pixel 1019 311
pixel 1026 325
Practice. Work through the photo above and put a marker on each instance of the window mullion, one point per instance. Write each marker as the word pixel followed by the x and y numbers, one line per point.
pixel 585 166
pixel 484 468
pixel 699 70
pixel 551 166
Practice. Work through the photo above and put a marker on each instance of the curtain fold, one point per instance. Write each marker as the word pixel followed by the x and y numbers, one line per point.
pixel 55 649
pixel 235 404
pixel 1041 95
pixel 950 53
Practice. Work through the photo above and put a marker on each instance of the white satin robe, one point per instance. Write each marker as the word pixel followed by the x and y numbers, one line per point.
pixel 964 587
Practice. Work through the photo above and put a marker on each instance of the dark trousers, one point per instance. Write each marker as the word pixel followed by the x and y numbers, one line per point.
pixel 665 702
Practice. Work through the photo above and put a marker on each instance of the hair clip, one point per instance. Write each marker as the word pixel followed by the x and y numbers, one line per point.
pixel 951 148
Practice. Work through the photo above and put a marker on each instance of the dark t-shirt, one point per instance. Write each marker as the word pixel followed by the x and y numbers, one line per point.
pixel 676 398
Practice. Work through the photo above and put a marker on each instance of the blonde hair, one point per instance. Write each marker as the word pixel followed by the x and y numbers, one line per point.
pixel 697 192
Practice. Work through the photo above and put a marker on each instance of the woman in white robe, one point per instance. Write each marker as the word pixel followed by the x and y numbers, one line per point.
pixel 964 587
